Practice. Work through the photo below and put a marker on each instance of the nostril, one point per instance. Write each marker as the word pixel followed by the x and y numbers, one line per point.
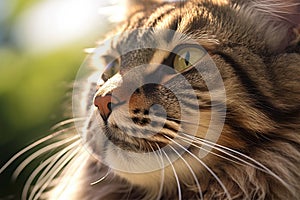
pixel 109 106
pixel 103 103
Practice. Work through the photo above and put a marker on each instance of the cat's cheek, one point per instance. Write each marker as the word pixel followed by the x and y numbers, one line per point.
pixel 95 144
pixel 93 138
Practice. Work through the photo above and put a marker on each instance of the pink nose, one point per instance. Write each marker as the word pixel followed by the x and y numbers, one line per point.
pixel 104 105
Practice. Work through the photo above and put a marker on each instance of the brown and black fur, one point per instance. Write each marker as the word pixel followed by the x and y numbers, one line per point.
pixel 255 46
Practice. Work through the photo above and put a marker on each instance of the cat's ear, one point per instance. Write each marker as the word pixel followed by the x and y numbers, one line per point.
pixel 278 19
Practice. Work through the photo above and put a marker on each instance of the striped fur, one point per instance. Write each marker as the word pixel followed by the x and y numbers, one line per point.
pixel 255 46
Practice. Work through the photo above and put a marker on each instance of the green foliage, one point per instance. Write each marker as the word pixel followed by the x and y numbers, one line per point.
pixel 33 87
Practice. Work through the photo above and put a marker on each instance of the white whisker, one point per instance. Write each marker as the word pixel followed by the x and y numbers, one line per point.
pixel 263 167
pixel 40 152
pixel 35 173
pixel 191 170
pixel 72 168
pixel 162 171
pixel 207 168
pixel 190 141
pixel 197 125
pixel 53 160
pixel 102 178
pixel 58 167
pixel 68 121
pixel 44 139
pixel 175 175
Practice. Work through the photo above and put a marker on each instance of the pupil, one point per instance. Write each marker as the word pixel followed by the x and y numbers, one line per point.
pixel 187 58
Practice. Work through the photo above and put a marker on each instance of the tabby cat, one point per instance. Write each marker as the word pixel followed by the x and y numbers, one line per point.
pixel 200 99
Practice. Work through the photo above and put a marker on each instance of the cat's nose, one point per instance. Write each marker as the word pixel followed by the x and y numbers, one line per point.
pixel 103 103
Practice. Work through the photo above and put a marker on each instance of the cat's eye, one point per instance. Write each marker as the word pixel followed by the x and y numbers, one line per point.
pixel 187 57
pixel 111 69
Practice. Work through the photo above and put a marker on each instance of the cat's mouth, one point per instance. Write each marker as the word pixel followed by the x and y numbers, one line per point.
pixel 128 142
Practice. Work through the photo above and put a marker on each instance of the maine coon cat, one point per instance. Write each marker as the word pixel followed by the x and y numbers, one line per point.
pixel 238 80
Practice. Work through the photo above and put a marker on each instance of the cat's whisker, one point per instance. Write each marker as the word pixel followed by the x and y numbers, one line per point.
pixel 175 175
pixel 58 167
pixel 40 152
pixel 206 167
pixel 52 164
pixel 68 121
pixel 102 178
pixel 162 177
pixel 186 122
pixel 191 170
pixel 73 167
pixel 192 143
pixel 242 161
pixel 178 121
pixel 31 146
pixel 160 159
pixel 34 175
pixel 48 162
pixel 262 167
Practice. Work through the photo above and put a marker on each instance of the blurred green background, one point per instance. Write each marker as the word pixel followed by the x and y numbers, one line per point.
pixel 42 46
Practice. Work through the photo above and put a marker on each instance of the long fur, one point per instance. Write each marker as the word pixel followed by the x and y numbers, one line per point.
pixel 255 46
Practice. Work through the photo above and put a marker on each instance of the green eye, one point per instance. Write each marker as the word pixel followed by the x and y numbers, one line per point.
pixel 111 69
pixel 187 57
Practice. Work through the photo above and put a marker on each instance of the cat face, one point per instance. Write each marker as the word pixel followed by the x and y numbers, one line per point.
pixel 195 88
pixel 149 95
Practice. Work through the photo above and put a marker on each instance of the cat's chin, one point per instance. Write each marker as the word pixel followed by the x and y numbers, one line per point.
pixel 153 180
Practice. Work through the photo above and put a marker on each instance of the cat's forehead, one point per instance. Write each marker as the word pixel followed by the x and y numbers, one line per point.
pixel 145 41
pixel 167 29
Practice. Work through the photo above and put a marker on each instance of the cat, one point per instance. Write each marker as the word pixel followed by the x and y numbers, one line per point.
pixel 199 99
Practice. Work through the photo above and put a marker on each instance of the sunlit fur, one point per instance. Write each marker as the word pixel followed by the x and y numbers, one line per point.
pixel 255 46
